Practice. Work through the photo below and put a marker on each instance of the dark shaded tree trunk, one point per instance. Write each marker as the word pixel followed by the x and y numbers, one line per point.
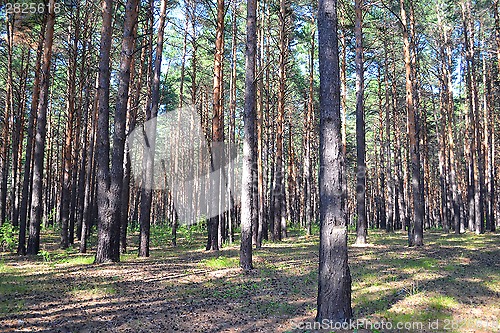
pixel 68 144
pixel 362 224
pixel 134 104
pixel 415 231
pixel 39 146
pixel 232 115
pixel 334 282
pixel 150 128
pixel 476 150
pixel 105 227
pixel 217 148
pixel 309 130
pixel 279 188
pixel 27 176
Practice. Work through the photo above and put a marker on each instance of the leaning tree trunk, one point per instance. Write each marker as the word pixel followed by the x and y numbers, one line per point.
pixel 334 283
pixel 38 152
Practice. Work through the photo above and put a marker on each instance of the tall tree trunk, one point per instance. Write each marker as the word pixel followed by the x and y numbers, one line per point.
pixel 38 152
pixel 361 225
pixel 150 130
pixel 27 176
pixel 476 150
pixel 309 129
pixel 259 173
pixel 232 115
pixel 8 122
pixel 388 151
pixel 217 147
pixel 497 31
pixel 134 104
pixel 105 232
pixel 68 144
pixel 334 283
pixel 279 187
pixel 415 232
pixel 249 157
pixel 343 113
pixel 90 186
pixel 487 144
pixel 494 192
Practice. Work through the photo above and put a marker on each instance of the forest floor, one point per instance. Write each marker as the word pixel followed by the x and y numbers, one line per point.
pixel 452 284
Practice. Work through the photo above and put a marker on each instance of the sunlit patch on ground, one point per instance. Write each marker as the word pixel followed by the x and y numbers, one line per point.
pixel 453 282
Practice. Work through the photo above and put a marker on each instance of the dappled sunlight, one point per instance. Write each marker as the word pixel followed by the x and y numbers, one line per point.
pixel 178 287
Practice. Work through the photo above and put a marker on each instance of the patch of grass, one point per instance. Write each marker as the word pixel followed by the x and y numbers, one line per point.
pixel 442 303
pixel 161 235
pixel 421 263
pixel 93 290
pixel 77 260
pixel 11 306
pixel 275 308
pixel 236 290
pixel 220 262
pixel 12 287
pixel 422 308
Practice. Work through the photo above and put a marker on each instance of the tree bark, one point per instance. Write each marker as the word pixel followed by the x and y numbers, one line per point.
pixel 217 147
pixel 361 225
pixel 150 128
pixel 39 147
pixel 334 283
pixel 105 232
pixel 279 187
pixel 27 176
pixel 249 157
pixel 476 149
pixel 415 232
pixel 309 129
pixel 68 144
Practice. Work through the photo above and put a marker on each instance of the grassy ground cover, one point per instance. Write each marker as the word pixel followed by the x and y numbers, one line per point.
pixel 452 284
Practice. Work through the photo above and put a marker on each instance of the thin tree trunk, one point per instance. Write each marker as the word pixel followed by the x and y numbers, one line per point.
pixel 387 147
pixel 27 176
pixel 8 122
pixel 259 173
pixel 134 104
pixel 68 144
pixel 39 147
pixel 232 115
pixel 217 147
pixel 415 232
pixel 279 172
pixel 150 130
pixel 309 128
pixel 361 225
pixel 477 161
